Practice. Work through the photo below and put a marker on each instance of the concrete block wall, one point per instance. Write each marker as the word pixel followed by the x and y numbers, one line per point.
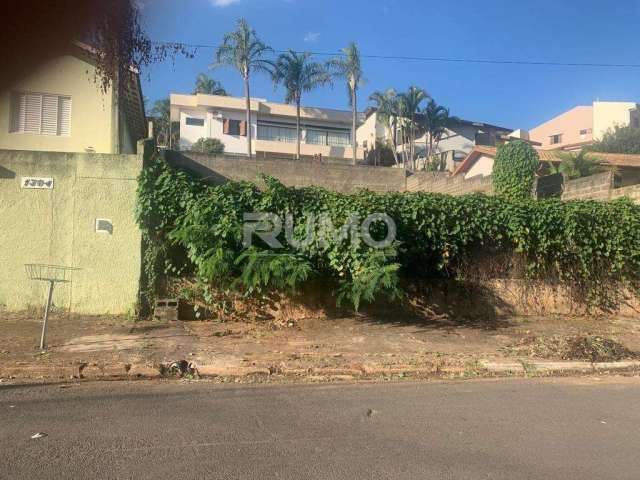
pixel 594 187
pixel 440 182
pixel 294 173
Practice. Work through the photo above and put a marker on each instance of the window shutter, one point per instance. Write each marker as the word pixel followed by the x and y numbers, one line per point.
pixel 64 116
pixel 33 113
pixel 49 114
pixel 225 126
pixel 243 129
pixel 19 105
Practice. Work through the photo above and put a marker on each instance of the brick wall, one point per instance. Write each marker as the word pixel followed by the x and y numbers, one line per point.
pixel 632 191
pixel 440 182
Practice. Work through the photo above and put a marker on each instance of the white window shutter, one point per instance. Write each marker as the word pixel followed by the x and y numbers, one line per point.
pixel 50 115
pixel 64 116
pixel 19 103
pixel 33 113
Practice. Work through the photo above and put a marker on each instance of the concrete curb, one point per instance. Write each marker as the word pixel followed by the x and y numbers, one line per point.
pixel 55 373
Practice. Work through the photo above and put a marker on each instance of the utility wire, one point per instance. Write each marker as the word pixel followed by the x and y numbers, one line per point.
pixel 436 59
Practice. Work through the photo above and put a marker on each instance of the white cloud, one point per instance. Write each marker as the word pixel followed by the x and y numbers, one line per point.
pixel 311 37
pixel 223 3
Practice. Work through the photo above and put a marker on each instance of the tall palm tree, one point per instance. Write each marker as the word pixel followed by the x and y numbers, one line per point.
pixel 298 75
pixel 210 86
pixel 347 67
pixel 410 105
pixel 386 104
pixel 435 121
pixel 244 51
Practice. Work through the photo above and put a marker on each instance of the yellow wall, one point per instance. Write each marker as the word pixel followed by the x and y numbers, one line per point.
pixel 91 110
pixel 58 227
pixel 607 115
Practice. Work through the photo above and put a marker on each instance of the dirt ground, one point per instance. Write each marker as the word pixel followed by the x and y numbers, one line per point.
pixel 313 344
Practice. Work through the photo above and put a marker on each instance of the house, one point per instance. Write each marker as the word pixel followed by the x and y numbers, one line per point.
pixel 585 124
pixel 454 145
pixel 60 107
pixel 324 131
pixel 480 160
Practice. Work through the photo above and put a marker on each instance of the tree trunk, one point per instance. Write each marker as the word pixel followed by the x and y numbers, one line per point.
pixel 394 141
pixel 247 96
pixel 354 113
pixel 298 129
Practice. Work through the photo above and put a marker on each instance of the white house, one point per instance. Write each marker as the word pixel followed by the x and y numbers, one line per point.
pixel 324 132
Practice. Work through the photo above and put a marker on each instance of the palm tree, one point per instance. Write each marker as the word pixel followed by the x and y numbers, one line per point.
pixel 244 51
pixel 163 132
pixel 206 84
pixel 410 106
pixel 435 121
pixel 347 67
pixel 578 165
pixel 298 75
pixel 386 104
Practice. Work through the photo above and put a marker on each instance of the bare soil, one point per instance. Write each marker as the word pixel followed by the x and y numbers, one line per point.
pixel 364 342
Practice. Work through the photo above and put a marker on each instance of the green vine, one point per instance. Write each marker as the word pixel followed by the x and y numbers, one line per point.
pixel 592 248
pixel 514 170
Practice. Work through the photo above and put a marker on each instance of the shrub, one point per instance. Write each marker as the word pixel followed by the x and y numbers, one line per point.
pixel 578 165
pixel 619 140
pixel 208 145
pixel 514 169
pixel 593 248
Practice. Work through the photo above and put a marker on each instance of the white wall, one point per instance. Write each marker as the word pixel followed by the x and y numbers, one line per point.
pixel 213 128
pixel 483 166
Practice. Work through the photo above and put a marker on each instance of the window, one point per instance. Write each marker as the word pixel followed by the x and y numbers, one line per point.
pixel 276 133
pixel 40 113
pixel 333 138
pixel 585 131
pixel 555 139
pixel 195 122
pixel 234 127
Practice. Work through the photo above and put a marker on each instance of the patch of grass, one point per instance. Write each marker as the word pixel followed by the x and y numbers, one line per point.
pixel 592 348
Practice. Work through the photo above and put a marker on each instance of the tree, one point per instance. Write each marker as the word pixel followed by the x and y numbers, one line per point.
pixel 619 140
pixel 514 170
pixel 348 67
pixel 208 145
pixel 410 105
pixel 244 51
pixel 166 133
pixel 386 104
pixel 209 86
pixel 577 165
pixel 298 75
pixel 435 121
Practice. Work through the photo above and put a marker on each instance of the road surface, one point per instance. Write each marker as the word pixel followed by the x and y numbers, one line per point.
pixel 499 429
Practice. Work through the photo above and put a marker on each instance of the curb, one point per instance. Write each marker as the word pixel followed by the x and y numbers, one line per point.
pixel 528 367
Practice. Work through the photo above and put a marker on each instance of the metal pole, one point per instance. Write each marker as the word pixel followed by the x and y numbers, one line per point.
pixel 46 316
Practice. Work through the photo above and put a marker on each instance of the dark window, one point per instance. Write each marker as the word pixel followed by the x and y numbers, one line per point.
pixel 233 127
pixel 196 122
pixel 555 139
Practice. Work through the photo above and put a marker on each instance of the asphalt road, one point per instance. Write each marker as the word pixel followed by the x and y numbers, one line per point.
pixel 506 429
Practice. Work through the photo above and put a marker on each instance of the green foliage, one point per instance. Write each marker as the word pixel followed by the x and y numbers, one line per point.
pixel 593 248
pixel 619 140
pixel 578 165
pixel 514 170
pixel 208 145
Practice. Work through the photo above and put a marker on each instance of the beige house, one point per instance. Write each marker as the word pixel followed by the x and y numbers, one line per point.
pixel 324 131
pixel 59 107
pixel 584 124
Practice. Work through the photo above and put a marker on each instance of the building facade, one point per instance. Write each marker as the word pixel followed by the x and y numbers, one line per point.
pixel 585 124
pixel 60 107
pixel 324 132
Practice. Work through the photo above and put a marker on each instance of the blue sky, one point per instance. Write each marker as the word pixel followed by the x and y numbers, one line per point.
pixel 515 96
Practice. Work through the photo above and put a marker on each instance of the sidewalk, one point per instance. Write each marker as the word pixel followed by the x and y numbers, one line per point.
pixel 308 350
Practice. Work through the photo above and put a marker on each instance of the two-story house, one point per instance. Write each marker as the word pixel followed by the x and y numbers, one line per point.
pixel 324 132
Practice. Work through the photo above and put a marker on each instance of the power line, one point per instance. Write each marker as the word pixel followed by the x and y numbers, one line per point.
pixel 436 59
